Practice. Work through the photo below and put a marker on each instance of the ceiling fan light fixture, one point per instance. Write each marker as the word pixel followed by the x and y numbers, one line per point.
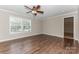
pixel 34 12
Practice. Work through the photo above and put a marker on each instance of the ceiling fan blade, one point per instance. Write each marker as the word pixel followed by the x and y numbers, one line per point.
pixel 27 7
pixel 40 12
pixel 38 7
pixel 28 11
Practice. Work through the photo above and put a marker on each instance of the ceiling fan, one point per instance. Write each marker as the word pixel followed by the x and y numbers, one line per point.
pixel 34 10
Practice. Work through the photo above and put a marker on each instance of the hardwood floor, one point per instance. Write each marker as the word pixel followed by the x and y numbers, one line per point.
pixel 40 44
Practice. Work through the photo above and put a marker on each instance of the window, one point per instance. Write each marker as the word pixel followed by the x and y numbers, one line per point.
pixel 18 24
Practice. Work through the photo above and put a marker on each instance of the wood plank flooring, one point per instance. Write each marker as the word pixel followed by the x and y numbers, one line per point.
pixel 40 44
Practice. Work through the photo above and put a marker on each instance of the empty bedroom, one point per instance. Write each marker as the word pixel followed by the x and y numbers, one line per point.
pixel 39 29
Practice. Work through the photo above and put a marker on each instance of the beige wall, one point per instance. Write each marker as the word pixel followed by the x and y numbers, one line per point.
pixel 4 27
pixel 78 25
pixel 55 25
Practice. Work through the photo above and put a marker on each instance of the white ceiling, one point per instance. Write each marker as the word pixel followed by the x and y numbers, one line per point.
pixel 49 10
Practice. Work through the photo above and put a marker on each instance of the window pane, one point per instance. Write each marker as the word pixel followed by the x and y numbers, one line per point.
pixel 15 24
pixel 26 25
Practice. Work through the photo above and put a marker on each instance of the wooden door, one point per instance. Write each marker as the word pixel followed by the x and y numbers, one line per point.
pixel 68 31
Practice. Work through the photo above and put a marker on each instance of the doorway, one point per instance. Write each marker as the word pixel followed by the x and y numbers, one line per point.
pixel 68 31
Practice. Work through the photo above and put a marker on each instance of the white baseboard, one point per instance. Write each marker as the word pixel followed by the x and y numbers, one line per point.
pixel 55 35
